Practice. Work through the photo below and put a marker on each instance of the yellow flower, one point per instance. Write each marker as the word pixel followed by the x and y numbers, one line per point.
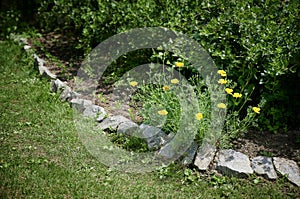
pixel 237 95
pixel 165 88
pixel 162 112
pixel 133 83
pixel 221 105
pixel 179 64
pixel 222 81
pixel 174 81
pixel 222 73
pixel 199 116
pixel 229 90
pixel 256 110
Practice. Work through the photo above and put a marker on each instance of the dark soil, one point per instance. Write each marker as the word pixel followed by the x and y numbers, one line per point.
pixel 65 58
pixel 256 143
pixel 253 143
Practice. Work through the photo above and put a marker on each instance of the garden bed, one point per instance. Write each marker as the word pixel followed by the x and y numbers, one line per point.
pixel 64 61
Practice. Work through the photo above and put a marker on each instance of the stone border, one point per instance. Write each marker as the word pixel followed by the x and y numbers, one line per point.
pixel 227 162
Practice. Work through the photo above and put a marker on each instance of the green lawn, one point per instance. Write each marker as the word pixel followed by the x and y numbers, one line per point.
pixel 42 157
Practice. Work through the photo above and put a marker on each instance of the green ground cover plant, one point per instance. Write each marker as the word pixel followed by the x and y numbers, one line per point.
pixel 168 110
pixel 42 157
pixel 255 42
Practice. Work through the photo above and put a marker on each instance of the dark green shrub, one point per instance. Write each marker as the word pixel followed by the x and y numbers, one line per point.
pixel 17 16
pixel 253 40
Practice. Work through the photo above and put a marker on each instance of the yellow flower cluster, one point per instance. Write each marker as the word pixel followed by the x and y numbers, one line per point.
pixel 199 116
pixel 179 64
pixel 222 81
pixel 133 83
pixel 162 112
pixel 229 91
pixel 165 88
pixel 174 81
pixel 237 95
pixel 222 73
pixel 221 105
pixel 256 110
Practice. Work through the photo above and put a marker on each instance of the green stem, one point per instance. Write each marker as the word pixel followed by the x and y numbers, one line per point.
pixel 248 96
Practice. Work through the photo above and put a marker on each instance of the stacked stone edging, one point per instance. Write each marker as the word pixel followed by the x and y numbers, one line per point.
pixel 228 162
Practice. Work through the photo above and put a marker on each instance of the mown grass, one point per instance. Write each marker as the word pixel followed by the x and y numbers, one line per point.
pixel 42 157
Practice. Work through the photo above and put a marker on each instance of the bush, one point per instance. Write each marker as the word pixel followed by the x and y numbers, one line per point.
pixel 16 16
pixel 255 41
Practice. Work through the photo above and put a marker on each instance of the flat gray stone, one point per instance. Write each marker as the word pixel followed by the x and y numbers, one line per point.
pixel 21 40
pixel 154 136
pixel 94 111
pixel 68 94
pixel 167 152
pixel 57 86
pixel 264 166
pixel 232 163
pixel 44 71
pixel 172 151
pixel 47 73
pixel 26 47
pixel 189 155
pixel 289 168
pixel 113 122
pixel 204 157
pixel 128 128
pixel 80 104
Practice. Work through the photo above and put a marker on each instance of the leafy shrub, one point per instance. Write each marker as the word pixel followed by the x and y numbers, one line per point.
pixel 10 22
pixel 16 16
pixel 255 41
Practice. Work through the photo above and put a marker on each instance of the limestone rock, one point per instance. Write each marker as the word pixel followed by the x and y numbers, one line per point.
pixel 167 152
pixel 154 136
pixel 80 104
pixel 205 155
pixel 231 163
pixel 113 122
pixel 47 73
pixel 188 157
pixel 128 128
pixel 39 64
pixel 26 47
pixel 68 94
pixel 57 86
pixel 264 166
pixel 94 111
pixel 289 168
pixel 172 151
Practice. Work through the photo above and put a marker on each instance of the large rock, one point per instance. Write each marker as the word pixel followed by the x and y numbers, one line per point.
pixel 128 128
pixel 154 136
pixel 44 71
pixel 113 122
pixel 264 166
pixel 80 104
pixel 204 157
pixel 95 112
pixel 232 163
pixel 68 94
pixel 173 151
pixel 57 86
pixel 188 157
pixel 289 168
